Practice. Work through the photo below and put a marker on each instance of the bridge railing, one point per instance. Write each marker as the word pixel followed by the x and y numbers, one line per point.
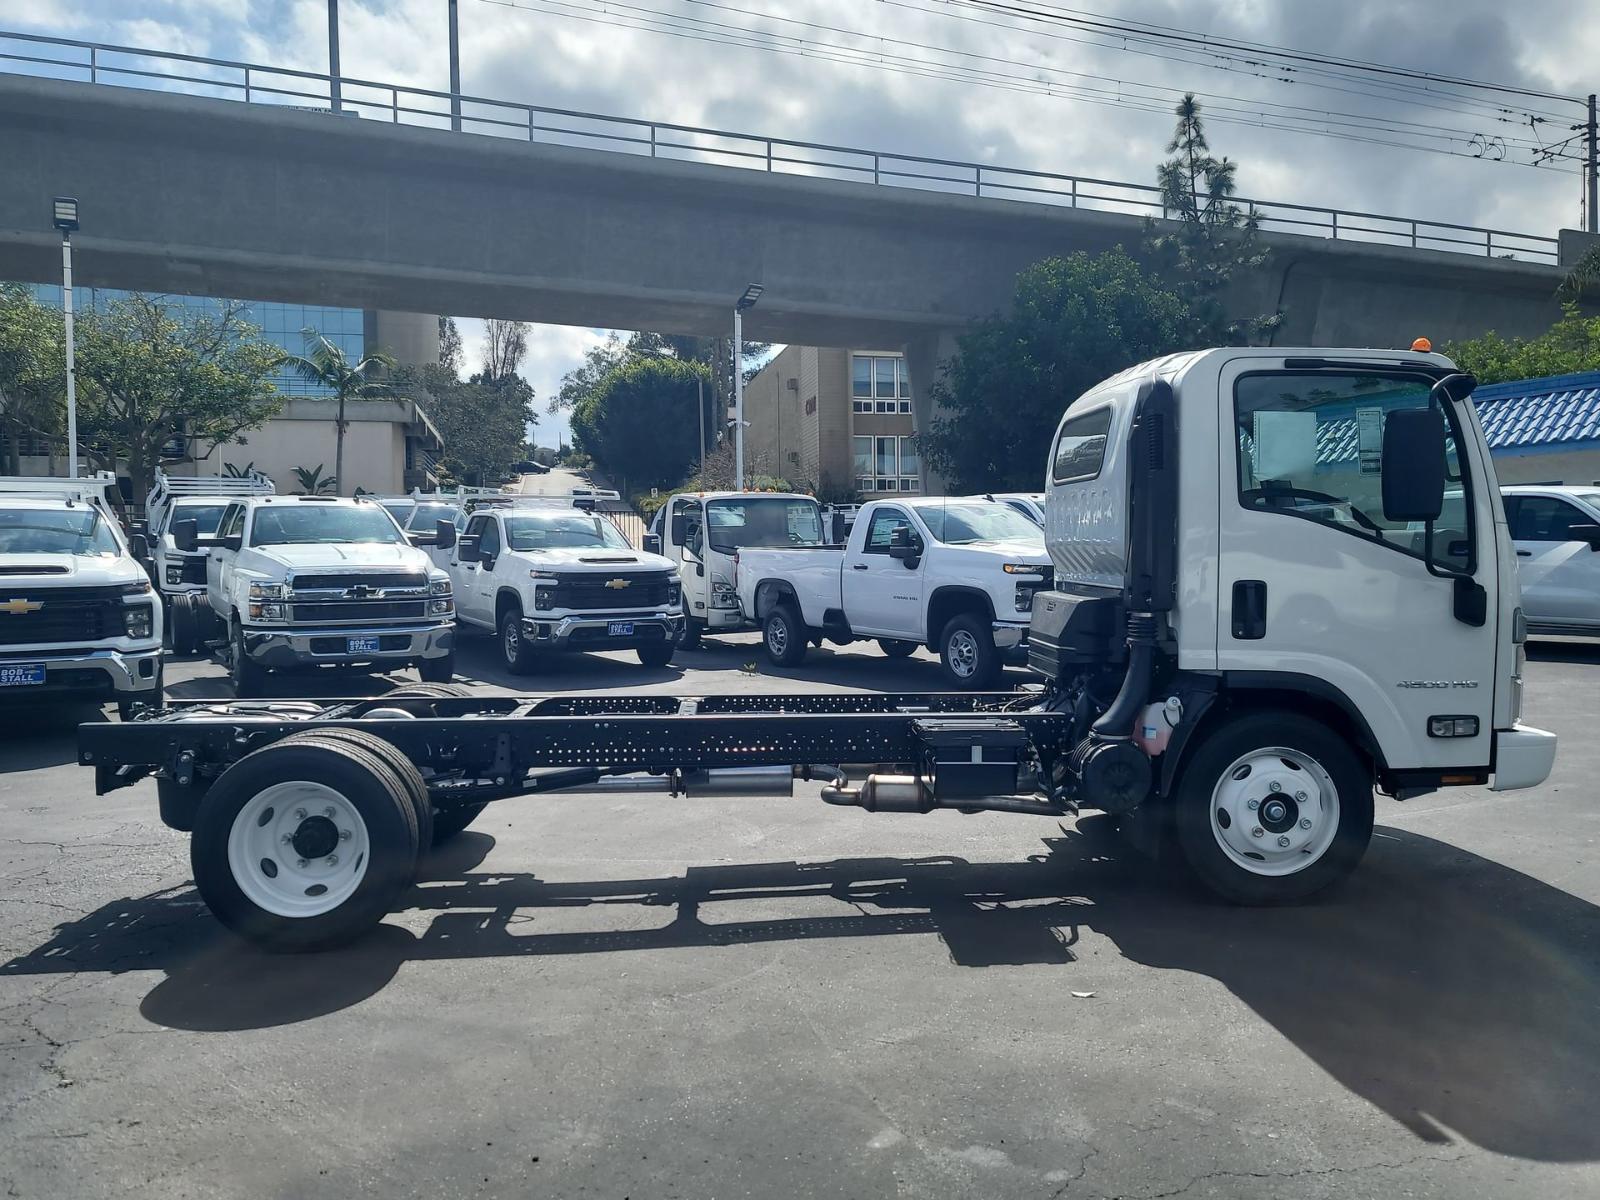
pixel 403 104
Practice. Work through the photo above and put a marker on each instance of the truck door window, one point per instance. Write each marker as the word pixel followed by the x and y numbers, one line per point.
pixel 1309 447
pixel 884 522
pixel 232 522
pixel 1546 519
pixel 489 539
pixel 1081 447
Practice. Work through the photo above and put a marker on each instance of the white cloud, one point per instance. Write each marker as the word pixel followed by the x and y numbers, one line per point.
pixel 553 350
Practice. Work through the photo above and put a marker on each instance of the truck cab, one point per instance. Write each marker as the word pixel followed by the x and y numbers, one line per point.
pixel 299 582
pixel 550 575
pixel 703 533
pixel 79 618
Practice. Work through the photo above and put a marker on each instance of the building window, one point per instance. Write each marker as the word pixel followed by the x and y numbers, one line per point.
pixel 879 383
pixel 886 464
pixel 861 452
pixel 910 466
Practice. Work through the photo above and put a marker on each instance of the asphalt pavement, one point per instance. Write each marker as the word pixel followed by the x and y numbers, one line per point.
pixel 632 996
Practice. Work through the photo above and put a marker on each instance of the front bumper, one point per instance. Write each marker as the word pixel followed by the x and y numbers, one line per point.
pixel 1523 757
pixel 283 648
pixel 85 672
pixel 1012 642
pixel 593 631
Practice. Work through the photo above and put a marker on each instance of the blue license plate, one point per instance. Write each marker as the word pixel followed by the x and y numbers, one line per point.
pixel 21 674
pixel 620 629
pixel 361 645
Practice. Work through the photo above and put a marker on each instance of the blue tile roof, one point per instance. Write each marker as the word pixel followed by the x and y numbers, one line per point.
pixel 1540 412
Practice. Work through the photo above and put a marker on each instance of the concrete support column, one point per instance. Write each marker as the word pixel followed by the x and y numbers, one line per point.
pixel 413 338
pixel 926 355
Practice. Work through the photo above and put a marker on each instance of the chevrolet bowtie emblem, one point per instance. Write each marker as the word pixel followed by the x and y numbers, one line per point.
pixel 618 583
pixel 17 607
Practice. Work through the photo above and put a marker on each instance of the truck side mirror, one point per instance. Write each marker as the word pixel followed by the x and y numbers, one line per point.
pixel 1586 533
pixel 467 548
pixel 679 528
pixel 139 545
pixel 1413 465
pixel 444 533
pixel 652 543
pixel 905 545
pixel 186 536
pixel 840 531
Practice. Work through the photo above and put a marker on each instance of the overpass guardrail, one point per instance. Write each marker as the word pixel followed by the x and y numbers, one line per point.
pixel 402 104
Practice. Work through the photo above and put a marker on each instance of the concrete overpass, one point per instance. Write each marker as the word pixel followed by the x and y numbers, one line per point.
pixel 213 197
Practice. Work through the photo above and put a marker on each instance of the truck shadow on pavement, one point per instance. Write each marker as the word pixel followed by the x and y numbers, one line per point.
pixel 1455 994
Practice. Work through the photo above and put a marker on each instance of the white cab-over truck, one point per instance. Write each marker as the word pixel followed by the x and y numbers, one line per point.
pixel 957 576
pixel 79 618
pixel 548 576
pixel 182 577
pixel 703 534
pixel 1283 578
pixel 300 582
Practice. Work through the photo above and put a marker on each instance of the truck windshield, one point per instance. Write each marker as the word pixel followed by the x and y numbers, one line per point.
pixel 398 509
pixel 45 531
pixel 563 531
pixel 305 524
pixel 763 521
pixel 965 524
pixel 205 516
pixel 425 516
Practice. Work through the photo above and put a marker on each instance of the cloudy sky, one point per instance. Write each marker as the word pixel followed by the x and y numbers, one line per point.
pixel 1023 91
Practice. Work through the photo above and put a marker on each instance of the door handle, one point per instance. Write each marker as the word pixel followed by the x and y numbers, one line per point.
pixel 1524 553
pixel 858 566
pixel 1249 609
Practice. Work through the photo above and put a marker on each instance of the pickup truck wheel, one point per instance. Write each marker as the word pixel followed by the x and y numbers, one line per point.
pixel 895 648
pixel 183 622
pixel 514 649
pixel 437 670
pixel 249 678
pixel 689 638
pixel 1273 808
pixel 966 648
pixel 784 635
pixel 304 845
pixel 656 654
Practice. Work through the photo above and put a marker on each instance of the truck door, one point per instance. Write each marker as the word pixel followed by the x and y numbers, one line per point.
pixel 882 596
pixel 475 586
pixel 219 560
pixel 687 554
pixel 1557 565
pixel 1315 583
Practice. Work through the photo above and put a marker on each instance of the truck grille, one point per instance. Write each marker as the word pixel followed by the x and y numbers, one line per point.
pixel 592 592
pixel 339 583
pixel 67 614
pixel 342 612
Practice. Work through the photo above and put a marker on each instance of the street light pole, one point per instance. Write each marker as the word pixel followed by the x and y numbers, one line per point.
pixel 700 396
pixel 65 218
pixel 748 300
pixel 333 55
pixel 455 70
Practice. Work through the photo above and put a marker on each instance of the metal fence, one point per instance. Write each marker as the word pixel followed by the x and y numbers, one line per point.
pixel 67 58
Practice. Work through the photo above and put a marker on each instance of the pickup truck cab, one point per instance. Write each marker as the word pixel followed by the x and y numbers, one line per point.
pixel 703 533
pixel 548 576
pixel 79 618
pixel 312 581
pixel 956 576
pixel 1556 530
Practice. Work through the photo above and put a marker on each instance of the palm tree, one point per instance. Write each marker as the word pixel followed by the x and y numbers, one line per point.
pixel 325 363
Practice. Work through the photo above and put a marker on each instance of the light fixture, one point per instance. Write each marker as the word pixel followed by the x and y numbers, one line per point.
pixel 65 213
pixel 751 295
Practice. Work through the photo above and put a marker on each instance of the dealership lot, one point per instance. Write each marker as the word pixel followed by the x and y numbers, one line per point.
pixel 628 995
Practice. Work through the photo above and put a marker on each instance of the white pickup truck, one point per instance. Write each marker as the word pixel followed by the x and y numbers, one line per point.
pixel 78 616
pixel 549 576
pixel 312 581
pixel 957 576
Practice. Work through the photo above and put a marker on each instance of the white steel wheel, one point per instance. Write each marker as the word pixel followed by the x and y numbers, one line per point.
pixel 961 652
pixel 298 849
pixel 1275 811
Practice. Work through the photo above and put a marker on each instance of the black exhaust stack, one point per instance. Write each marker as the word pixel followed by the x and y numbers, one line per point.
pixel 1114 774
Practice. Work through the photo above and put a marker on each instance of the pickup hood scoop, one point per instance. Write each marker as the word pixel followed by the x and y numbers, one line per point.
pixel 581 560
pixel 19 569
pixel 357 554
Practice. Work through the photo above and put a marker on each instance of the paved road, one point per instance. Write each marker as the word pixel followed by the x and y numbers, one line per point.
pixel 626 996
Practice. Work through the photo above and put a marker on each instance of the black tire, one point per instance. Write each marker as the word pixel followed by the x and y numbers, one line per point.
pixel 447 822
pixel 784 635
pixel 431 691
pixel 404 771
pixel 249 678
pixel 179 802
pixel 968 654
pixel 896 648
pixel 437 670
pixel 515 652
pixel 1203 774
pixel 656 654
pixel 183 622
pixel 366 784
pixel 689 637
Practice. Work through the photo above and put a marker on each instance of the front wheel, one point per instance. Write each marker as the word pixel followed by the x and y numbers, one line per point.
pixel 656 654
pixel 249 678
pixel 183 622
pixel 437 670
pixel 784 635
pixel 689 638
pixel 967 651
pixel 514 649
pixel 1273 808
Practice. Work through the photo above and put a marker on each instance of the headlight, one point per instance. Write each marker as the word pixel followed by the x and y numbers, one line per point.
pixel 440 586
pixel 723 594
pixel 140 588
pixel 543 575
pixel 269 591
pixel 544 597
pixel 174 572
pixel 1025 599
pixel 441 605
pixel 1022 568
pixel 270 610
pixel 674 595
pixel 136 619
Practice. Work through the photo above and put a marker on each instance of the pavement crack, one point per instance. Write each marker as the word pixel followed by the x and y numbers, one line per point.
pixel 1306 1173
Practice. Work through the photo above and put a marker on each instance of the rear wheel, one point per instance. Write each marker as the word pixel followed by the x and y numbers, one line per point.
pixel 402 770
pixel 249 678
pixel 514 649
pixel 689 639
pixel 437 670
pixel 184 623
pixel 656 654
pixel 304 845
pixel 895 648
pixel 966 647
pixel 784 635
pixel 1273 808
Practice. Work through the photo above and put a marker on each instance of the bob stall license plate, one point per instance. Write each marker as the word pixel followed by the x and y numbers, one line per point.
pixel 361 645
pixel 620 629
pixel 21 674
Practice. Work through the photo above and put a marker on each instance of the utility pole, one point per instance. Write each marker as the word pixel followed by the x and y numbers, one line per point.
pixel 738 402
pixel 455 69
pixel 1591 167
pixel 700 396
pixel 65 218
pixel 333 54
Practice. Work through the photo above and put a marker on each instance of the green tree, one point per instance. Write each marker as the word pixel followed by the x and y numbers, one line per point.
pixel 151 372
pixel 1572 344
pixel 449 345
pixel 1208 239
pixel 639 422
pixel 483 422
pixel 324 363
pixel 1073 322
pixel 32 372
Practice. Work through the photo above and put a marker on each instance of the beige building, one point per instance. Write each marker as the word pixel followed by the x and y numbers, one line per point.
pixel 837 420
